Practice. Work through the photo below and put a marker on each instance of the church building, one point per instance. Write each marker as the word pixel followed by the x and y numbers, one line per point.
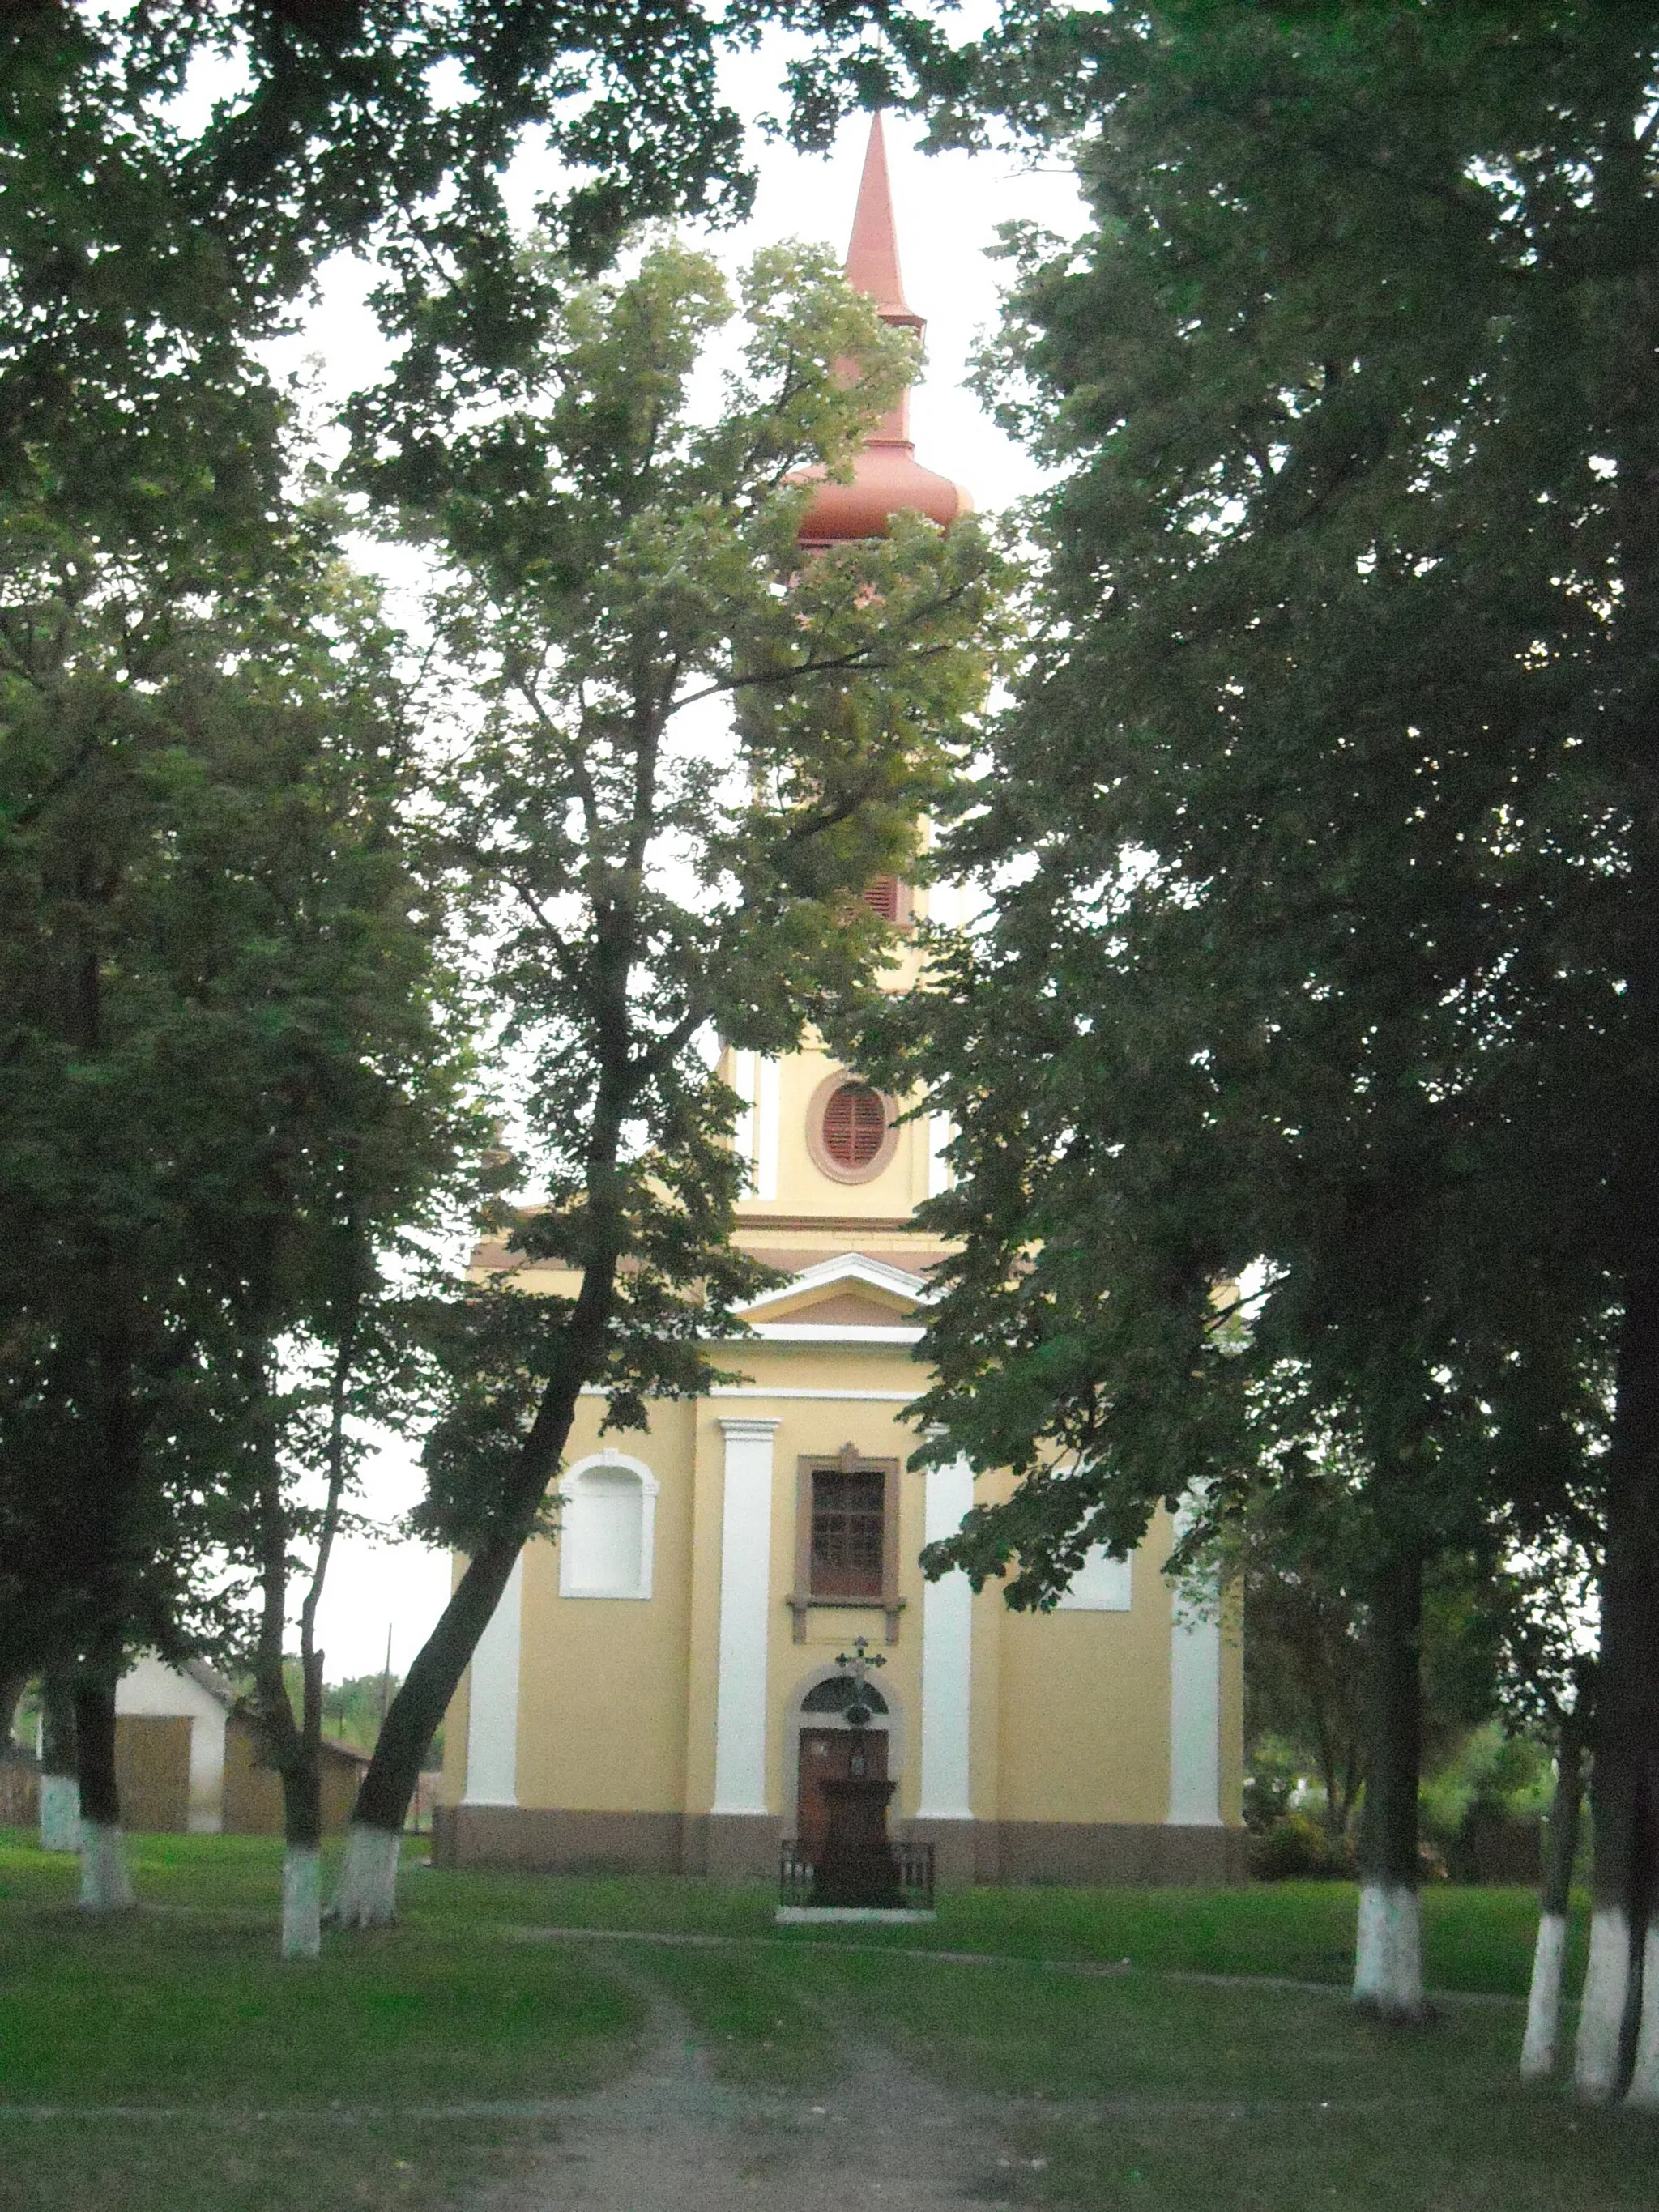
pixel 658 1688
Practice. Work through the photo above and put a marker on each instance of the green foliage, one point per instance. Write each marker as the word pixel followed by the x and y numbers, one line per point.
pixel 1328 763
pixel 230 1078
pixel 621 585
pixel 175 175
pixel 1271 1773
pixel 1293 1846
pixel 352 1710
pixel 1494 1781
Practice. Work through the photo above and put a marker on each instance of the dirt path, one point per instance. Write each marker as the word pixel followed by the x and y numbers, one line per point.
pixel 670 2138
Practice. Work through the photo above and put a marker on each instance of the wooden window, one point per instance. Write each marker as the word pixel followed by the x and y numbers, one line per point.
pixel 847 1550
pixel 849 1520
pixel 881 895
pixel 855 1125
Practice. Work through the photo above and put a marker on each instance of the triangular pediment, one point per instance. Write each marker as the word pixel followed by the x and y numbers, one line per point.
pixel 847 1291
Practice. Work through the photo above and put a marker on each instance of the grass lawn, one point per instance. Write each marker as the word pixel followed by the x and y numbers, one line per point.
pixel 1475 1939
pixel 245 2086
pixel 184 2015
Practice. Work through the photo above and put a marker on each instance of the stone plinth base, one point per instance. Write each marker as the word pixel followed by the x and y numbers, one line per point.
pixel 797 1915
pixel 733 1847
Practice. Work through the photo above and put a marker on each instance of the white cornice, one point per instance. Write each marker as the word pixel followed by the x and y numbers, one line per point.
pixel 847 1268
pixel 806 1332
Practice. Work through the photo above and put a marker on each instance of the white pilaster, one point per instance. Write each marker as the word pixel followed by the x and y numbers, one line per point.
pixel 769 1122
pixel 947 1657
pixel 1194 1708
pixel 940 1130
pixel 745 1590
pixel 492 1721
pixel 743 1132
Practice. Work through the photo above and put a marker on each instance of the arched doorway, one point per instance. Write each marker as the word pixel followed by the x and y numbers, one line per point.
pixel 828 1748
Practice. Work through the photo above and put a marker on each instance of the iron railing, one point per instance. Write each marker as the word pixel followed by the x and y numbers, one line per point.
pixel 796 1875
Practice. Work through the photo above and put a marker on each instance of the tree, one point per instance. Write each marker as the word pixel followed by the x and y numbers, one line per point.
pixel 1304 1654
pixel 1549 1689
pixel 218 979
pixel 311 1398
pixel 354 1141
pixel 1336 953
pixel 620 576
pixel 149 241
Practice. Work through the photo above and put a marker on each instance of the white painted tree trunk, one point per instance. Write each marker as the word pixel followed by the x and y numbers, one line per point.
pixel 1601 2010
pixel 105 1886
pixel 366 1888
pixel 1544 2001
pixel 1643 2090
pixel 302 1902
pixel 60 1813
pixel 1387 1968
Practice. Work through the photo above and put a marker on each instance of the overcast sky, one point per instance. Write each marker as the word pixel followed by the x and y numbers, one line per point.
pixel 948 207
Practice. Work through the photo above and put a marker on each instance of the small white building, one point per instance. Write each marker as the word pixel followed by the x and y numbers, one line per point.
pixel 170 1725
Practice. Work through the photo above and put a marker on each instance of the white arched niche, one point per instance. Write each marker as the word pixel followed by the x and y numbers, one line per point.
pixel 607 1527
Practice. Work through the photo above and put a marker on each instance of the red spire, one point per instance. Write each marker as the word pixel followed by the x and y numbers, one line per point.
pixel 872 258
pixel 887 477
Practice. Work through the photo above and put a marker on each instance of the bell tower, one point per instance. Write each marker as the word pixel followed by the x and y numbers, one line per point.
pixel 832 1174
pixel 708 1583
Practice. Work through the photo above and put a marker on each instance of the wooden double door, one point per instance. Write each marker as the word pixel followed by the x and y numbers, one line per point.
pixel 826 1755
pixel 152 1772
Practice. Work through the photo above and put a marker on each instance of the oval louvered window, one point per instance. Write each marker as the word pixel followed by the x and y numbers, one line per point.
pixel 881 896
pixel 855 1125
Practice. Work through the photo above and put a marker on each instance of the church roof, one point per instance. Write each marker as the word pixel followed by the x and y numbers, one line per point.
pixel 887 477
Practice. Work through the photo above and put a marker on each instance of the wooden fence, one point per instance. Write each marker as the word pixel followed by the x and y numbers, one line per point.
pixel 20 1791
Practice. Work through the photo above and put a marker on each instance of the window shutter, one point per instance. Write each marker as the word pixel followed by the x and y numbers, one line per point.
pixel 855 1125
pixel 881 896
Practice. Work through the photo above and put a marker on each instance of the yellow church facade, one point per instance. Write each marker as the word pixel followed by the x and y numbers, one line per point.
pixel 660 1689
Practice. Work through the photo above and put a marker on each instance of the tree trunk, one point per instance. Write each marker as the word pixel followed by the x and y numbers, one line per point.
pixel 302 1860
pixel 1388 1981
pixel 302 1803
pixel 105 1884
pixel 294 1748
pixel 12 1686
pixel 296 1754
pixel 1555 1898
pixel 1335 1812
pixel 60 1789
pixel 366 1893
pixel 302 1833
pixel 1618 2047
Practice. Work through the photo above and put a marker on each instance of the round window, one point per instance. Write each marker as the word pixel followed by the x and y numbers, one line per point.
pixel 851 1129
pixel 855 1125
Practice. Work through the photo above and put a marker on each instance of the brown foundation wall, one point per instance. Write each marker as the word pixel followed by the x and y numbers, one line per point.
pixel 555 1842
pixel 1109 1854
pixel 743 1848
